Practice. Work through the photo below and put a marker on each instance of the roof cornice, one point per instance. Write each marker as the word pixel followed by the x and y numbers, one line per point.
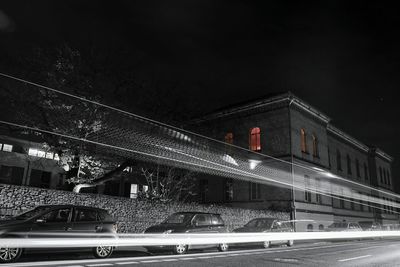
pixel 286 97
pixel 347 137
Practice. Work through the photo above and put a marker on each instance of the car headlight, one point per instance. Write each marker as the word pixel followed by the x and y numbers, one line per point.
pixel 168 232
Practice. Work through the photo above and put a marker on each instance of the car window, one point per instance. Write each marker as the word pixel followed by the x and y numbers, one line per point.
pixel 178 218
pixel 104 216
pixel 85 215
pixel 216 220
pixel 32 213
pixel 57 215
pixel 201 219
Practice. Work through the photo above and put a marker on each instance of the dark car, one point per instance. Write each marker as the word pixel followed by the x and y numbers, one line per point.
pixel 344 227
pixel 190 222
pixel 66 220
pixel 261 225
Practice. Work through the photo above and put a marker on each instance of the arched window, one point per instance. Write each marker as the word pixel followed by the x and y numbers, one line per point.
pixel 255 139
pixel 229 138
pixel 310 228
pixel 315 146
pixel 321 227
pixel 303 141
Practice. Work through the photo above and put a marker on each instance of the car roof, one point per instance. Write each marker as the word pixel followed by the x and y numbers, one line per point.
pixel 197 212
pixel 70 206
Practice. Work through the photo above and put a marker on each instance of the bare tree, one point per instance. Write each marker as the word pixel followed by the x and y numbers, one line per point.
pixel 168 183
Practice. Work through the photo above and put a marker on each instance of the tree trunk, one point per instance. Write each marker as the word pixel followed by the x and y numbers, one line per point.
pixel 105 178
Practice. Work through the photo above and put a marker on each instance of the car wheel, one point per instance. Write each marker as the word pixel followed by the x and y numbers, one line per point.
pixel 267 244
pixel 223 247
pixel 290 243
pixel 103 252
pixel 10 254
pixel 180 249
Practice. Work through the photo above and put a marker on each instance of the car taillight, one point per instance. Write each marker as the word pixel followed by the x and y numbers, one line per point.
pixel 115 227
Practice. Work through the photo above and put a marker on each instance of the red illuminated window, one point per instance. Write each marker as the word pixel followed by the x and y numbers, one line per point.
pixel 229 138
pixel 255 139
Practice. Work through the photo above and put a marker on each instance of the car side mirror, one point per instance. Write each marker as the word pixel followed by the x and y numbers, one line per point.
pixel 196 223
pixel 40 221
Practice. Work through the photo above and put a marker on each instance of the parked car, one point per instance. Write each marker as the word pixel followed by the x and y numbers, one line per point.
pixel 370 226
pixel 189 222
pixel 262 225
pixel 68 220
pixel 344 226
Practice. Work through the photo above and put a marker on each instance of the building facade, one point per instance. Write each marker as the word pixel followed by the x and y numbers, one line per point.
pixel 25 162
pixel 287 128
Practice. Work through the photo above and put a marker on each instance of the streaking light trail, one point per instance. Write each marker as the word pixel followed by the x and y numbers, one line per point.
pixel 121 240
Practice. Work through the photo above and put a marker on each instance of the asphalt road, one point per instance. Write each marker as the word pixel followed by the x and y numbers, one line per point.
pixel 351 253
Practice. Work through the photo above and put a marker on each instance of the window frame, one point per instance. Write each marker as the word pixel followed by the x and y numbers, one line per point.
pixel 255 139
pixel 315 146
pixel 303 140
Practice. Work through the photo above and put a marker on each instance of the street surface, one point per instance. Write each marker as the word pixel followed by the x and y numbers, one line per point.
pixel 350 253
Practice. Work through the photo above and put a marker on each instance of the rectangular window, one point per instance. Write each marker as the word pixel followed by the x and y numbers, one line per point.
pixel 348 164
pixel 365 171
pixel 338 160
pixel 307 185
pixel 228 189
pixel 255 191
pixel 134 191
pixel 11 175
pixel 329 158
pixel 358 168
pixel 32 152
pixel 49 155
pixel 203 190
pixel 318 187
pixel 40 178
pixel 341 197
pixel 7 147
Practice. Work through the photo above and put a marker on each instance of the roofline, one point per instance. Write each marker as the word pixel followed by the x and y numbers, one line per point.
pixel 357 143
pixel 290 97
pixel 347 137
pixel 383 154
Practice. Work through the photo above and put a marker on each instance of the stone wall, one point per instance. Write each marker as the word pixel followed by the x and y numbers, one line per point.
pixel 132 215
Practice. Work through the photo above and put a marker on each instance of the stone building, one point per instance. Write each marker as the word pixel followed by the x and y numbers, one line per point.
pixel 287 128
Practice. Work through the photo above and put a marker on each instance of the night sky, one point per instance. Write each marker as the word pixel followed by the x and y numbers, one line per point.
pixel 342 58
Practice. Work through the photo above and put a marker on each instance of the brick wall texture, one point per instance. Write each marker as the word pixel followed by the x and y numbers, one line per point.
pixel 132 215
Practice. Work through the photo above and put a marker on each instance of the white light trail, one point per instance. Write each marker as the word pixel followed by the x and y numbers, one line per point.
pixel 122 240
